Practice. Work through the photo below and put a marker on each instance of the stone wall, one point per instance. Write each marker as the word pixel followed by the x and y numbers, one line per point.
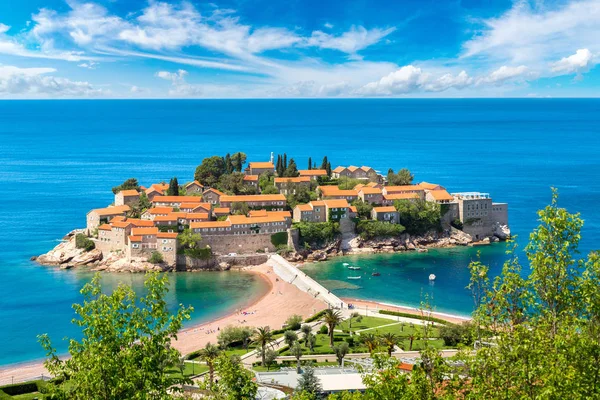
pixel 224 244
pixel 500 213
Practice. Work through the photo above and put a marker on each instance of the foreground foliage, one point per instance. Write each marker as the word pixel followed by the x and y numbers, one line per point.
pixel 125 351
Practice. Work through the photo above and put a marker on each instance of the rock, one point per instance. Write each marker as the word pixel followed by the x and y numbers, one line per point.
pixel 422 250
pixel 223 266
pixel 502 232
pixel 67 254
pixel 494 239
pixel 410 246
pixel 33 258
pixel 486 240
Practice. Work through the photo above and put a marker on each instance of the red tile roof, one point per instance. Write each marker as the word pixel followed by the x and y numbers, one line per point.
pixel 251 178
pixel 112 210
pixel 210 224
pixel 167 235
pixel 298 179
pixel 261 165
pixel 401 196
pixel 144 231
pixel 177 199
pixel 135 238
pixel 312 172
pixel 105 227
pixel 384 209
pixel 441 195
pixel 129 193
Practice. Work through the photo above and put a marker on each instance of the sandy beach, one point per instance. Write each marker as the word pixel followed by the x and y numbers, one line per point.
pixel 373 305
pixel 273 309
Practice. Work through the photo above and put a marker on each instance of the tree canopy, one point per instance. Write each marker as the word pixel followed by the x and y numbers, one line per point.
pixel 129 184
pixel 403 177
pixel 211 169
pixel 125 351
pixel 418 216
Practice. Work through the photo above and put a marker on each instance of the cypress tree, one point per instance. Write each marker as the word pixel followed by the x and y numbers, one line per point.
pixel 228 164
pixel 309 163
pixel 324 163
pixel 285 161
pixel 328 169
pixel 173 187
pixel 279 167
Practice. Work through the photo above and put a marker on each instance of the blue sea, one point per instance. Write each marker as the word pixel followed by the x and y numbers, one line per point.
pixel 59 159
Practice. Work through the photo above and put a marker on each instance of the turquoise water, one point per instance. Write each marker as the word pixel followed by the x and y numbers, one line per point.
pixel 404 278
pixel 59 159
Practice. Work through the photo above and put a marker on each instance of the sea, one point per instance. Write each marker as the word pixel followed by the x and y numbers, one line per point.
pixel 59 159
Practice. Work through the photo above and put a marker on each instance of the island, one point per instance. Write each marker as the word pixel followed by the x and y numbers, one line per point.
pixel 233 214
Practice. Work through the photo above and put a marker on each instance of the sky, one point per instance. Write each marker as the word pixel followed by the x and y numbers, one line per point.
pixel 298 48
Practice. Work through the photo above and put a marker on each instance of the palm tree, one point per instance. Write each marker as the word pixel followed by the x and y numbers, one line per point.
pixel 411 337
pixel 263 336
pixel 209 354
pixel 390 340
pixel 332 318
pixel 370 340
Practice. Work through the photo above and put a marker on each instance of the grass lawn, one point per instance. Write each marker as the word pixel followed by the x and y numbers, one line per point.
pixel 29 396
pixel 292 365
pixel 189 370
pixel 322 345
pixel 365 323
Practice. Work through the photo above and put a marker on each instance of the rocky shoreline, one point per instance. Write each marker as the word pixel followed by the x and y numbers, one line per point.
pixel 403 243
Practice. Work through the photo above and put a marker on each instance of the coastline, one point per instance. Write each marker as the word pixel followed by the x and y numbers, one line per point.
pixel 359 303
pixel 272 308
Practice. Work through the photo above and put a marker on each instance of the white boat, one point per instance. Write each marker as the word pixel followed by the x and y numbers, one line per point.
pixel 354 277
pixel 354 268
pixel 345 264
pixel 431 277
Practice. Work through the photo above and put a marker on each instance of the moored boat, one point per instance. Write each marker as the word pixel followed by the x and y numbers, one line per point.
pixel 375 274
pixel 354 268
pixel 354 277
pixel 431 277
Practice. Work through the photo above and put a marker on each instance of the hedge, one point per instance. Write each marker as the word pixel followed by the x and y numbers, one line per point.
pixel 315 317
pixel 413 316
pixel 21 388
pixel 279 239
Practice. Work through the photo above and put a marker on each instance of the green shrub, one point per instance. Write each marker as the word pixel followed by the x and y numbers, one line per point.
pixel 414 316
pixel 317 232
pixel 323 330
pixel 200 254
pixel 457 334
pixel 315 317
pixel 457 224
pixel 155 258
pixel 83 242
pixel 20 388
pixel 373 229
pixel 294 322
pixel 419 216
pixel 279 239
pixel 350 341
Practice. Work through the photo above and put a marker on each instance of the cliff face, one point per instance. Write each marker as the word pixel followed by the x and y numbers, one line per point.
pixel 66 255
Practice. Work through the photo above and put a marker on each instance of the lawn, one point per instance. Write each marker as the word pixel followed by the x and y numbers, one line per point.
pixel 365 323
pixel 189 370
pixel 29 396
pixel 322 345
pixel 292 365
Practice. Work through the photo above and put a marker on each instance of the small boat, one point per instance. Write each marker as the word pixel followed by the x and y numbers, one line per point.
pixel 354 268
pixel 431 277
pixel 345 264
pixel 354 277
pixel 375 274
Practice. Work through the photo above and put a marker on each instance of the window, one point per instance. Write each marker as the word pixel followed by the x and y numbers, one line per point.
pixel 165 241
pixel 135 245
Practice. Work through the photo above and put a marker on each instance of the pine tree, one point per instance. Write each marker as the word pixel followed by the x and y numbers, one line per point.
pixel 173 187
pixel 292 170
pixel 309 163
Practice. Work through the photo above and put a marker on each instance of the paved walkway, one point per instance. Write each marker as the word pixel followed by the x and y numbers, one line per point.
pixel 298 278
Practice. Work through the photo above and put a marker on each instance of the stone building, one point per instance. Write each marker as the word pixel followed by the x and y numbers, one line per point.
pixel 371 195
pixel 272 202
pixel 194 188
pixel 313 174
pixel 322 211
pixel 127 197
pixel 99 216
pixel 364 173
pixel 289 185
pixel 333 192
pixel 386 214
pixel 212 196
pixel 258 168
pixel 479 214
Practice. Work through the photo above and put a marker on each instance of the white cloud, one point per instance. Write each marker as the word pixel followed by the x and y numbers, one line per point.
pixel 174 77
pixel 88 65
pixel 579 62
pixel 36 83
pixel 505 73
pixel 349 42
pixel 328 25
pixel 527 35
pixel 4 28
pixel 409 79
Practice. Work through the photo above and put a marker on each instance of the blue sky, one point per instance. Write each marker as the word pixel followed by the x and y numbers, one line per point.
pixel 294 48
